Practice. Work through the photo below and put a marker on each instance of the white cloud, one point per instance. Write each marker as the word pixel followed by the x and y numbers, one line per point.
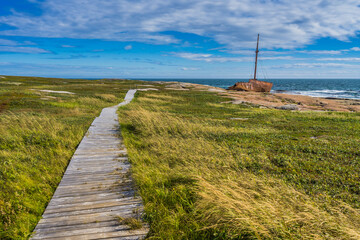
pixel 233 23
pixel 22 49
pixel 317 52
pixel 252 52
pixel 189 69
pixel 128 47
pixel 344 67
pixel 28 43
pixel 352 59
pixel 19 47
pixel 214 58
pixel 312 65
pixel 327 52
pixel 5 42
pixel 195 56
pixel 67 46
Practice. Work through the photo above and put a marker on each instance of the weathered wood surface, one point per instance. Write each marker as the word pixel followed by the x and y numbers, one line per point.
pixel 96 188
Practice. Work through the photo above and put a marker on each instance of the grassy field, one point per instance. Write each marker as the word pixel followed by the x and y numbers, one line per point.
pixel 39 131
pixel 268 174
pixel 205 169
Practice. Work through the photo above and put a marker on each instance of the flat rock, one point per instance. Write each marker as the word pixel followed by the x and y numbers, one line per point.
pixel 216 90
pixel 288 107
pixel 148 89
pixel 53 91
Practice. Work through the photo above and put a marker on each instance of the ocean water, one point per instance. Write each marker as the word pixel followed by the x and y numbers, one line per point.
pixel 333 88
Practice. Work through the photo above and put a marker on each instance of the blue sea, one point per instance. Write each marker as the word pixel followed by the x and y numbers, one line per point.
pixel 333 88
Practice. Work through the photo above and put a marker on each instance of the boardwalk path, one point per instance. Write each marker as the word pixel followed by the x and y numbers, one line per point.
pixel 96 191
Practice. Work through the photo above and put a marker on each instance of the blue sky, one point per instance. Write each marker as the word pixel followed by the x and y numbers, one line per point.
pixel 180 39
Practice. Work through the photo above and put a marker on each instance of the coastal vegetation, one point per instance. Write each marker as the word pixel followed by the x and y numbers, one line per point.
pixel 205 168
pixel 213 170
pixel 40 129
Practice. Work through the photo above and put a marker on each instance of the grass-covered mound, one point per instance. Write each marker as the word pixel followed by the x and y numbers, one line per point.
pixel 39 131
pixel 267 174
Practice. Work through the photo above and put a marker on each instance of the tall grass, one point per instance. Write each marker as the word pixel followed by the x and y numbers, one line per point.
pixel 205 176
pixel 39 132
pixel 34 151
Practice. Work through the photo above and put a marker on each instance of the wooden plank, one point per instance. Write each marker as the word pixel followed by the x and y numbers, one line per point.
pixel 83 184
pixel 100 190
pixel 129 234
pixel 89 205
pixel 88 198
pixel 78 226
pixel 87 179
pixel 82 219
pixel 74 212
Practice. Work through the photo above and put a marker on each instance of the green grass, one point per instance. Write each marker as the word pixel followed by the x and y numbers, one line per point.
pixel 272 175
pixel 132 223
pixel 39 132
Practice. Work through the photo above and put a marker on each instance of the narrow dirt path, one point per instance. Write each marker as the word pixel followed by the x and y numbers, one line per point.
pixel 95 199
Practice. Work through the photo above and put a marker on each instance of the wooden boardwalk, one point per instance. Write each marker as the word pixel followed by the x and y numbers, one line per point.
pixel 96 193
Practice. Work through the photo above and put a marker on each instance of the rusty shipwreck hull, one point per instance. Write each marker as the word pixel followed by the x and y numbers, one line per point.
pixel 253 85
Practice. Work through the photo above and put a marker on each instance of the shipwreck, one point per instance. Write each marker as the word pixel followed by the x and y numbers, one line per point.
pixel 253 85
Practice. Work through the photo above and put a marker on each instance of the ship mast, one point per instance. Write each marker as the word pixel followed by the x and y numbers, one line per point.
pixel 256 57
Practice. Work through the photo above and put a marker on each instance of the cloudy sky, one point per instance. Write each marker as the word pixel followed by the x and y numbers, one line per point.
pixel 180 39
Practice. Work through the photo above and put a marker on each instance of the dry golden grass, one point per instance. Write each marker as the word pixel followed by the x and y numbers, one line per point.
pixel 271 209
pixel 107 97
pixel 39 132
pixel 194 188
pixel 33 149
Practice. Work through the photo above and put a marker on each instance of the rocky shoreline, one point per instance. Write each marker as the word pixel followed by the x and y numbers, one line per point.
pixel 276 100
